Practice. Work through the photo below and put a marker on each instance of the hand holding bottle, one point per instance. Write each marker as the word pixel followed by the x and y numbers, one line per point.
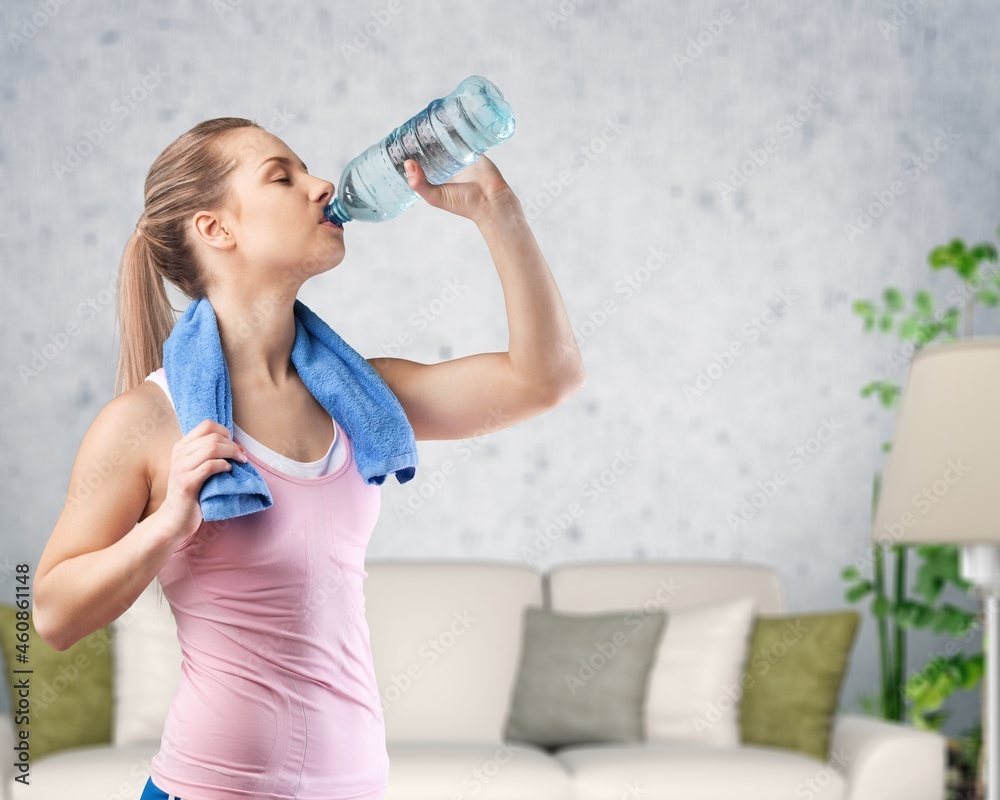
pixel 444 138
pixel 475 193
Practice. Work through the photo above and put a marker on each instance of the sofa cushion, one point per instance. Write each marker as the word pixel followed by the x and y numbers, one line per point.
pixel 688 771
pixel 456 770
pixel 89 773
pixel 147 668
pixel 703 688
pixel 424 770
pixel 694 685
pixel 582 678
pixel 794 673
pixel 69 691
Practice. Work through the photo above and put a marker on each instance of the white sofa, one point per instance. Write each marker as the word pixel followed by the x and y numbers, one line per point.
pixel 445 718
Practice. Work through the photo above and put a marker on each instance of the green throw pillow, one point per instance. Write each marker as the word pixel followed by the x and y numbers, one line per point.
pixel 583 678
pixel 67 698
pixel 794 671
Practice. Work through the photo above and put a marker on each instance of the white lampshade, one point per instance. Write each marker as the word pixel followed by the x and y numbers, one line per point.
pixel 941 484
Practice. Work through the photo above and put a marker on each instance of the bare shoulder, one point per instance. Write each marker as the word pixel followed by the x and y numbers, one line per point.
pixel 144 420
pixel 110 483
pixel 130 425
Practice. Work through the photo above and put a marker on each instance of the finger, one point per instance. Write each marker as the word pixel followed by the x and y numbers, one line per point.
pixel 417 179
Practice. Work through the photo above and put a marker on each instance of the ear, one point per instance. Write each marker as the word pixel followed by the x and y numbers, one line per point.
pixel 210 229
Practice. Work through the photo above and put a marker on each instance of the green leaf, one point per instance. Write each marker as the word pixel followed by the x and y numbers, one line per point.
pixel 989 297
pixel 984 251
pixel 940 567
pixel 974 669
pixel 888 393
pixel 934 693
pixel 858 591
pixel 885 323
pixel 910 614
pixel 938 620
pixel 950 320
pixel 953 620
pixel 893 298
pixel 863 307
pixel 933 720
pixel 881 607
pixel 939 258
pixel 902 616
pixel 923 616
pixel 923 302
pixel 909 329
pixel 850 573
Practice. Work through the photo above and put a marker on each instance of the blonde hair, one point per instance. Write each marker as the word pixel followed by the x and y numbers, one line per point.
pixel 190 174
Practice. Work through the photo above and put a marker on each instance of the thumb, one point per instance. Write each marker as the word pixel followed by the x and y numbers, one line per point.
pixel 416 178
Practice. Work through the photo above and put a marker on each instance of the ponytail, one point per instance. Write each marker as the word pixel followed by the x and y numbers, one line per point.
pixel 190 174
pixel 145 315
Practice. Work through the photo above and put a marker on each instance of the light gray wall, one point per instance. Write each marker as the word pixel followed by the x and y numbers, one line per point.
pixel 620 149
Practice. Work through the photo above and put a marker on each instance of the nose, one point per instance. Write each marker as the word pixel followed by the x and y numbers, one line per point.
pixel 325 191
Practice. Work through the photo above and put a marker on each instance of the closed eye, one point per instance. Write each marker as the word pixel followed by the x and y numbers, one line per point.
pixel 283 180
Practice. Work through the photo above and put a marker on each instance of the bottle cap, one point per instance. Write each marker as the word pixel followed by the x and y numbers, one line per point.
pixel 336 213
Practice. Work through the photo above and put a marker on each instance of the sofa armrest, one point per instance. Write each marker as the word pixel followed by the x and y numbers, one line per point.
pixel 884 760
pixel 6 762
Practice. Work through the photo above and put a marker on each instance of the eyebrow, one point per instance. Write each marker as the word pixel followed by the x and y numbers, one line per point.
pixel 283 160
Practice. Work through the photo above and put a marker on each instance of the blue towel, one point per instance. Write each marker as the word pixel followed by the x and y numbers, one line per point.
pixel 346 385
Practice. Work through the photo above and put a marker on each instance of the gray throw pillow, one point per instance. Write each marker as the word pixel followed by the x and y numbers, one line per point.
pixel 583 678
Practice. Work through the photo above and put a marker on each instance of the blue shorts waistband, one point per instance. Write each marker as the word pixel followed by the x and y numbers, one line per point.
pixel 153 792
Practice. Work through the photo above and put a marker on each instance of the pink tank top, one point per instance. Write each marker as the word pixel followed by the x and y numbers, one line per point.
pixel 277 696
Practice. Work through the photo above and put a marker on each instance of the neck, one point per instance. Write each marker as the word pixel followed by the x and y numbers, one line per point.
pixel 257 334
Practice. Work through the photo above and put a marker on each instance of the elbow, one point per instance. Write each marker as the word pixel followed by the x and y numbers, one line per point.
pixel 46 626
pixel 563 389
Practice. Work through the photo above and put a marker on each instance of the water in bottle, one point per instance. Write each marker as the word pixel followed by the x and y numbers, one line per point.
pixel 444 138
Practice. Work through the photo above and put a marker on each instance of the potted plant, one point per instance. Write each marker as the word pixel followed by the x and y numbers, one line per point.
pixel 919 698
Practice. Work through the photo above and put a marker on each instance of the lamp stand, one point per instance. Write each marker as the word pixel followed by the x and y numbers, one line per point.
pixel 981 566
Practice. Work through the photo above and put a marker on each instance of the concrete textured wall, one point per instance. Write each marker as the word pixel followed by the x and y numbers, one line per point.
pixel 696 173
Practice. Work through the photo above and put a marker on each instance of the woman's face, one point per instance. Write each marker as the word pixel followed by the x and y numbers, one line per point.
pixel 275 210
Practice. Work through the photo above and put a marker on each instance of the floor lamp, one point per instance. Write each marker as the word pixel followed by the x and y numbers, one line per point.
pixel 941 485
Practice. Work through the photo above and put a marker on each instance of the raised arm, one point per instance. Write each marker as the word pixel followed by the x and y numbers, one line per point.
pixel 472 395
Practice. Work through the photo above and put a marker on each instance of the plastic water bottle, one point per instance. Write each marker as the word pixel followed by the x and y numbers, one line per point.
pixel 444 138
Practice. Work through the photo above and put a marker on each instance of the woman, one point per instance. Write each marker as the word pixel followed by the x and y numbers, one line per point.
pixel 277 696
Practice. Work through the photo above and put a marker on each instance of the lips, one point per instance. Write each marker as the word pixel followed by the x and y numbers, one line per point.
pixel 331 222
